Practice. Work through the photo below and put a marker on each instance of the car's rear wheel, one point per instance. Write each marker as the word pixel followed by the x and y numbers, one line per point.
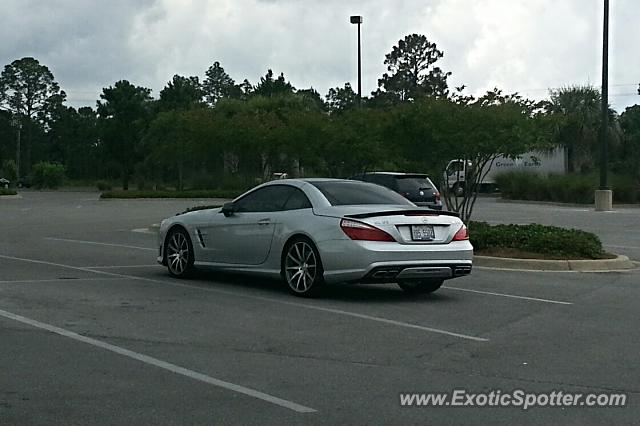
pixel 420 286
pixel 302 268
pixel 179 253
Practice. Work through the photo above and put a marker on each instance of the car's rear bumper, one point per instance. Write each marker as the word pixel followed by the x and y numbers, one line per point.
pixel 369 261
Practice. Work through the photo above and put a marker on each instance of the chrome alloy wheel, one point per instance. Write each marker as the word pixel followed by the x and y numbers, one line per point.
pixel 179 254
pixel 301 267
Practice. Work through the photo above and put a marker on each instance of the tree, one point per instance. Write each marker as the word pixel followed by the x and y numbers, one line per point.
pixel 312 95
pixel 124 112
pixel 341 99
pixel 219 85
pixel 580 107
pixel 181 93
pixel 73 141
pixel 494 125
pixel 630 149
pixel 29 91
pixel 412 73
pixel 168 142
pixel 269 86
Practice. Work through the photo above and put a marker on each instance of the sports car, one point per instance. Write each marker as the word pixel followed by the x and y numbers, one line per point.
pixel 309 232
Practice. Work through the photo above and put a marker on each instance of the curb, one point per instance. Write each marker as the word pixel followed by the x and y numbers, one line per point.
pixel 602 265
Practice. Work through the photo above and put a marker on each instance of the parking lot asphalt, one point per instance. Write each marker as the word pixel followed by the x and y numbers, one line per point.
pixel 92 331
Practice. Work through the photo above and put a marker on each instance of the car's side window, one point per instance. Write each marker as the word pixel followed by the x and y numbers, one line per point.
pixel 267 199
pixel 298 200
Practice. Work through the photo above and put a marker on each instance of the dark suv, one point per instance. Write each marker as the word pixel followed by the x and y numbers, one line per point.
pixel 416 187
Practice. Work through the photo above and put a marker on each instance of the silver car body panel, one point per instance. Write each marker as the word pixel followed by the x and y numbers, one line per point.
pixel 254 242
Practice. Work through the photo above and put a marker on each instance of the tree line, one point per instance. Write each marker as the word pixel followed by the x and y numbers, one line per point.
pixel 220 133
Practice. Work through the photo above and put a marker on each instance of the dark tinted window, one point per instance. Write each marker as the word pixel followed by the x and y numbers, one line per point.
pixel 267 199
pixel 346 193
pixel 413 183
pixel 297 201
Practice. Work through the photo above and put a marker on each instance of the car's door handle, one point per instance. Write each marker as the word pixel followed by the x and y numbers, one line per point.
pixel 264 221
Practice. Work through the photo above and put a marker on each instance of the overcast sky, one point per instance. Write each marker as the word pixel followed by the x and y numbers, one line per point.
pixel 526 46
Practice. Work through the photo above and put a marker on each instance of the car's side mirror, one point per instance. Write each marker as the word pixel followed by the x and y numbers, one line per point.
pixel 228 209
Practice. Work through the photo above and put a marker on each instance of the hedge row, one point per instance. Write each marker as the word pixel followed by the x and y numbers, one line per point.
pixel 4 191
pixel 579 189
pixel 534 238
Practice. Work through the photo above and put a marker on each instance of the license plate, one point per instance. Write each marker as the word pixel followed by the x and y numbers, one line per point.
pixel 422 233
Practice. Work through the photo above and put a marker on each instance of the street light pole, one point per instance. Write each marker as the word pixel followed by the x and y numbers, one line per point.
pixel 604 196
pixel 605 99
pixel 356 19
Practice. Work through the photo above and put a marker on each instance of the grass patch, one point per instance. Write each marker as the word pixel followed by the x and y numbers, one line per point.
pixel 4 191
pixel 549 242
pixel 212 193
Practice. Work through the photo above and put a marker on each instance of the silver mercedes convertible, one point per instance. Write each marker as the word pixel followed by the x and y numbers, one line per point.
pixel 313 231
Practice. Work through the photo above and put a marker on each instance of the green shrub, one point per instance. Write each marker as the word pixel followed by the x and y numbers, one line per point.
pixel 579 189
pixel 103 185
pixel 47 175
pixel 534 238
pixel 9 170
pixel 4 191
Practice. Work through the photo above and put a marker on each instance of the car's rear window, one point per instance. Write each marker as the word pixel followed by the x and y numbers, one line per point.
pixel 413 183
pixel 346 193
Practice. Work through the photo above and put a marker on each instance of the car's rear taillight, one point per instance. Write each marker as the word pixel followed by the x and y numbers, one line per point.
pixel 361 231
pixel 462 234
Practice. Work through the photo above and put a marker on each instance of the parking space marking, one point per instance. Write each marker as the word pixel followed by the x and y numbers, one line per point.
pixel 262 298
pixel 161 364
pixel 144 231
pixel 123 266
pixel 65 240
pixel 56 280
pixel 512 296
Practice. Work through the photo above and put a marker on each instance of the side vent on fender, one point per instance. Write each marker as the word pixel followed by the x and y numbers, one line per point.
pixel 200 237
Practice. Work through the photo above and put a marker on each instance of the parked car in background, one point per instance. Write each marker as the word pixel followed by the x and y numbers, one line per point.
pixel 4 183
pixel 312 231
pixel 416 187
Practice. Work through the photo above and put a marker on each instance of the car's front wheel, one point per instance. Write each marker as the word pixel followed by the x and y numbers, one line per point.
pixel 421 286
pixel 179 253
pixel 302 267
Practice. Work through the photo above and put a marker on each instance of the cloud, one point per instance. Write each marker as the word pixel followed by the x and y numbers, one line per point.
pixel 516 45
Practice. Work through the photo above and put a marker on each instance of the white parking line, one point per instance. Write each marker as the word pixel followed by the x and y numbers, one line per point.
pixel 512 296
pixel 99 244
pixel 122 266
pixel 144 231
pixel 261 298
pixel 56 280
pixel 161 364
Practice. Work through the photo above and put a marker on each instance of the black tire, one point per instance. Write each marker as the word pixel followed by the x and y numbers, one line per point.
pixel 302 268
pixel 420 287
pixel 179 253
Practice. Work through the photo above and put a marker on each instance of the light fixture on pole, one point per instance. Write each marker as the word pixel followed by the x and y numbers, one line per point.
pixel 357 19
